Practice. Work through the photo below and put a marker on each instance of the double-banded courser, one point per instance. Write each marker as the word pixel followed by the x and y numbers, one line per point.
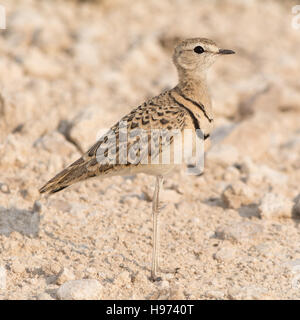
pixel 132 145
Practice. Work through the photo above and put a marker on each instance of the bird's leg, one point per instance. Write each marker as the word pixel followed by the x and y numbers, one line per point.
pixel 155 239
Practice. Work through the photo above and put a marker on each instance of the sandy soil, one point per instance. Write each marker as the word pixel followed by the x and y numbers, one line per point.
pixel 68 70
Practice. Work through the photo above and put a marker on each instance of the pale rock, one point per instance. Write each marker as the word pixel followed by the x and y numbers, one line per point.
pixel 237 194
pixel 164 284
pixel 176 293
pixel 141 279
pixel 225 254
pixel 220 186
pixel 52 268
pixel 293 266
pixel 215 294
pixel 169 195
pixel 44 296
pixel 225 103
pixel 223 154
pixel 54 36
pixel 249 211
pixel 91 271
pixel 88 33
pixel 256 174
pixel 273 176
pixel 4 188
pixel 240 231
pixel 275 206
pixel 60 205
pixel 260 96
pixel 55 142
pixel 86 54
pixel 85 289
pixel 2 278
pixel 248 167
pixel 17 267
pixel 88 126
pixel 250 137
pixel 267 250
pixel 64 276
pixel 231 174
pixel 39 65
pixel 124 278
pixel 248 293
pixel 14 151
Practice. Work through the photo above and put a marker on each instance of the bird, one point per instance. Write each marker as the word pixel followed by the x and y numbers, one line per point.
pixel 137 143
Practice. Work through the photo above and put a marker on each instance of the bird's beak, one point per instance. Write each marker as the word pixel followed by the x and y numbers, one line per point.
pixel 226 51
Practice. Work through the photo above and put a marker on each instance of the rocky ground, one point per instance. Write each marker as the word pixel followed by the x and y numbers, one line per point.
pixel 70 69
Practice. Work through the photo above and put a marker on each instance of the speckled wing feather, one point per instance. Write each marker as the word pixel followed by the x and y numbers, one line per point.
pixel 158 113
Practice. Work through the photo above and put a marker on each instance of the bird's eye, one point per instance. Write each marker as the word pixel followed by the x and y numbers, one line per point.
pixel 198 49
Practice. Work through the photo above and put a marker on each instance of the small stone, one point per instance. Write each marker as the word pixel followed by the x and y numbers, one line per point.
pixel 176 293
pixel 44 296
pixel 239 232
pixel 164 284
pixel 225 254
pixel 64 276
pixel 275 206
pixel 124 278
pixel 140 279
pixel 237 194
pixel 17 267
pixel 215 294
pixel 91 271
pixel 2 278
pixel 231 174
pixel 52 268
pixel 4 188
pixel 85 289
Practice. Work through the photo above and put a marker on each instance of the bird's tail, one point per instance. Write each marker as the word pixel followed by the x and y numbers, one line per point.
pixel 72 174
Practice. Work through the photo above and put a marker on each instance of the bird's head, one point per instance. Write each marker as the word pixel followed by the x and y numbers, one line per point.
pixel 197 54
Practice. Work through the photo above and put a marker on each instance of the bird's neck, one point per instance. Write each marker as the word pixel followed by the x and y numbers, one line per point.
pixel 195 87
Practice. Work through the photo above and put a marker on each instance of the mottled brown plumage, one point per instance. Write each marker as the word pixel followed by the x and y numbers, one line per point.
pixel 187 106
pixel 159 112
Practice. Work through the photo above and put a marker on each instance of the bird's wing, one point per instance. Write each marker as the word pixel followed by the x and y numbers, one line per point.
pixel 127 143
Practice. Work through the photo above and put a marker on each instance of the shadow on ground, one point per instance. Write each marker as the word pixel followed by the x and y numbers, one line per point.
pixel 24 221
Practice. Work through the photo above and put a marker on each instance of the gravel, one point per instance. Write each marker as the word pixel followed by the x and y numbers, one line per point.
pixel 74 68
pixel 85 289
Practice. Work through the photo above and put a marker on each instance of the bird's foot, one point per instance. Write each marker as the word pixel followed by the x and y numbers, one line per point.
pixel 155 278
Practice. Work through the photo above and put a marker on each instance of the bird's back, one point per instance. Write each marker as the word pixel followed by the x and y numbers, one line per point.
pixel 132 145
